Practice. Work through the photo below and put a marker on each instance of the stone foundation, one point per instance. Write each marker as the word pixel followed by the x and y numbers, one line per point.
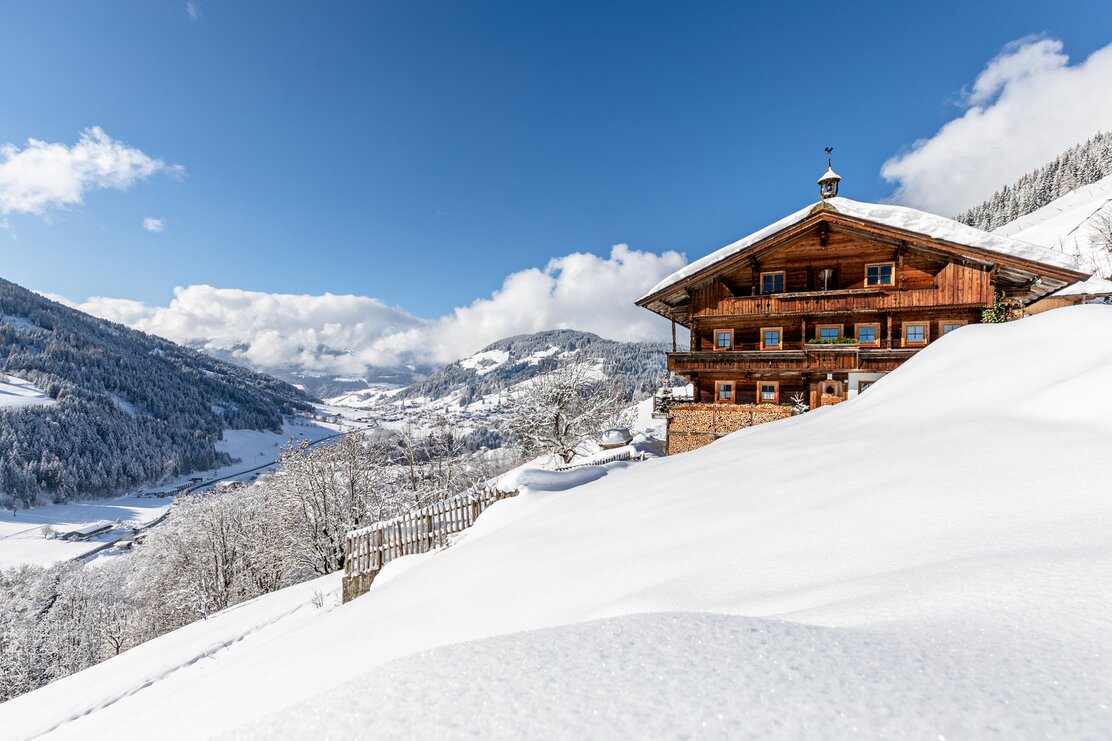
pixel 355 586
pixel 692 426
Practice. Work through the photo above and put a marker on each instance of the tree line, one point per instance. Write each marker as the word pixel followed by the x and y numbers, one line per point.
pixel 131 409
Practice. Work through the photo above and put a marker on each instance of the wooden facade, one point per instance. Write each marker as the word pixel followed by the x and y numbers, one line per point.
pixel 821 309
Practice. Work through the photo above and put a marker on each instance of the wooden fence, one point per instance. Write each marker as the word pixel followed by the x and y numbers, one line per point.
pixel 623 455
pixel 370 548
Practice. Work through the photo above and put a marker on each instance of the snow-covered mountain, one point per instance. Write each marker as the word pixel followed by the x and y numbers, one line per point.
pixel 905 564
pixel 95 407
pixel 640 366
pixel 1080 165
pixel 1079 224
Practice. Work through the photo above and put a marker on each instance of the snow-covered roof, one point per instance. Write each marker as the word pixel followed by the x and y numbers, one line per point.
pixel 900 217
pixel 1094 286
pixel 829 175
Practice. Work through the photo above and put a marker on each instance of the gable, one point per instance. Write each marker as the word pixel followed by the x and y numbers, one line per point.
pixel 810 238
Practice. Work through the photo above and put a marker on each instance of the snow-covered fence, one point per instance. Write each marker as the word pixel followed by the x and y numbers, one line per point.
pixel 370 548
pixel 622 455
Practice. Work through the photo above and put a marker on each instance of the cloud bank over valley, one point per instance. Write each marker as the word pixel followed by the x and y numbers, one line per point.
pixel 348 335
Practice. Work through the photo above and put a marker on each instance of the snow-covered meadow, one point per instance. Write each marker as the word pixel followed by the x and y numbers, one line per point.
pixel 18 393
pixel 931 559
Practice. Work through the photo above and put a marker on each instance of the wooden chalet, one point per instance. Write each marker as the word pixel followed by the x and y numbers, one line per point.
pixel 820 305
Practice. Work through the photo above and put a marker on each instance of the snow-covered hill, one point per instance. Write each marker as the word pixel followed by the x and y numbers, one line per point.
pixel 1081 165
pixel 506 363
pixel 98 408
pixel 1074 224
pixel 931 559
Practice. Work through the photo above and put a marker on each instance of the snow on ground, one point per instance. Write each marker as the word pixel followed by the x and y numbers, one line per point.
pixel 364 398
pixel 17 393
pixel 484 362
pixel 258 447
pixel 21 324
pixel 540 355
pixel 930 559
pixel 1066 224
pixel 21 535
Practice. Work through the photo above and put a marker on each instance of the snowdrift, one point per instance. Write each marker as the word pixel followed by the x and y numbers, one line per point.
pixel 932 558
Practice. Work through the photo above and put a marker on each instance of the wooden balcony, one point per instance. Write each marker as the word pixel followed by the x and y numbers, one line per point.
pixel 800 358
pixel 845 301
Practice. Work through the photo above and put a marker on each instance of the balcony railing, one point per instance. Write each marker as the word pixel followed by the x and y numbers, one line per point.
pixel 801 356
pixel 854 299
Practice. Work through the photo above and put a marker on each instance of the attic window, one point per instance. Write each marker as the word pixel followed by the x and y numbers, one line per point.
pixel 879 274
pixel 772 282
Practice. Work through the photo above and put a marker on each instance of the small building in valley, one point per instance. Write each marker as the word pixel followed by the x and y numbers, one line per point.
pixel 815 308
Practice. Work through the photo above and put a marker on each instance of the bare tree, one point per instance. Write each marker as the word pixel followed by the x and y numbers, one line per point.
pixel 1100 234
pixel 559 412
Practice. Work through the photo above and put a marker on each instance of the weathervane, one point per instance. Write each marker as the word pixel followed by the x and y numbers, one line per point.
pixel 828 183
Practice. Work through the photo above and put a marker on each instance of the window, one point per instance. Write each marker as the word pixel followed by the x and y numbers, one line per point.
pixel 768 392
pixel 864 386
pixel 724 392
pixel 772 338
pixel 868 335
pixel 915 333
pixel 828 331
pixel 946 326
pixel 772 282
pixel 879 274
pixel 723 339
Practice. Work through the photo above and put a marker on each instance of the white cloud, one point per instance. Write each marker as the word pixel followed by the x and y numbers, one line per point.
pixel 151 224
pixel 192 11
pixel 576 291
pixel 1026 107
pixel 44 175
pixel 348 334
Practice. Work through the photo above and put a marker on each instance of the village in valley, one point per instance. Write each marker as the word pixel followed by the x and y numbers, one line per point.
pixel 838 478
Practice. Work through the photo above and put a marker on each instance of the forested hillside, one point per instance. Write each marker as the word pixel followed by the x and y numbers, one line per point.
pixel 129 408
pixel 1077 166
pixel 639 366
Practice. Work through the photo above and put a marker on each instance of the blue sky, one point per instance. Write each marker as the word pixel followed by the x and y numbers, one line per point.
pixel 419 152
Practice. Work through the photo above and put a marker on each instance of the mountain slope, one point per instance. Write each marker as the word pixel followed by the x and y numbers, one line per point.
pixel 1076 224
pixel 129 407
pixel 1075 168
pixel 930 559
pixel 507 362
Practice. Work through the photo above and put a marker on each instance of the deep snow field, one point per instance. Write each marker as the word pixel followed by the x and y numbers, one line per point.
pixel 930 560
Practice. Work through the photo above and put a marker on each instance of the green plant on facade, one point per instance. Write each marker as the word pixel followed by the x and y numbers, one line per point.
pixel 1002 310
pixel 832 341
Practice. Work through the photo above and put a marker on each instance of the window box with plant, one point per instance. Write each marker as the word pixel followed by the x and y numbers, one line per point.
pixel 830 341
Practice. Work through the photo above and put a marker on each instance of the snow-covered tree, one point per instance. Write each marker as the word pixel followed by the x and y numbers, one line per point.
pixel 559 412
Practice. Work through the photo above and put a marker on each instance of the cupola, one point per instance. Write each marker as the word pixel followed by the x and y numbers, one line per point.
pixel 828 183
